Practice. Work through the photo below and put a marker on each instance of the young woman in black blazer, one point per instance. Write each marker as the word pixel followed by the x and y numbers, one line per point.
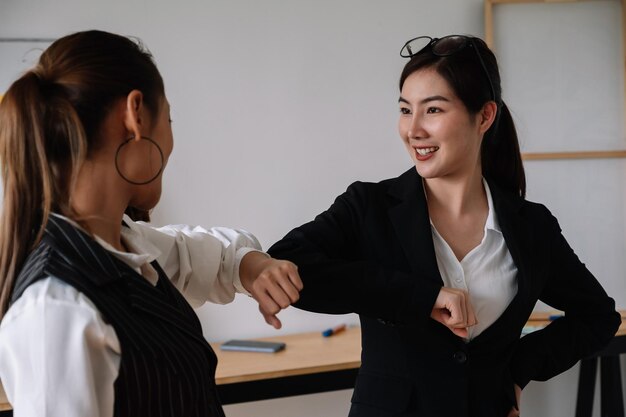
pixel 96 307
pixel 445 263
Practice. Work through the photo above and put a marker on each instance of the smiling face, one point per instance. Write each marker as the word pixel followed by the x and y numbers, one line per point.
pixel 441 136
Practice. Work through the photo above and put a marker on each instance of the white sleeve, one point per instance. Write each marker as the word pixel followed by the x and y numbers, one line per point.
pixel 57 356
pixel 202 263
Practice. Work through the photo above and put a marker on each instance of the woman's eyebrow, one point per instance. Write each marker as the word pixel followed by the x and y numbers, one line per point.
pixel 426 100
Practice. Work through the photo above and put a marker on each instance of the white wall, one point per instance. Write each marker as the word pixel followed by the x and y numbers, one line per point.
pixel 279 105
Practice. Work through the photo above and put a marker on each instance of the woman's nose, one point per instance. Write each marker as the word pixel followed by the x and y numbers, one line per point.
pixel 416 128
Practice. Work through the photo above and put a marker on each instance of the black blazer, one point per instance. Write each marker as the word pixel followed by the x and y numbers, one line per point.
pixel 372 253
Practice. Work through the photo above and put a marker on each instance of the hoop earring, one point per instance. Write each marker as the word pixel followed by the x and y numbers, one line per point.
pixel 119 171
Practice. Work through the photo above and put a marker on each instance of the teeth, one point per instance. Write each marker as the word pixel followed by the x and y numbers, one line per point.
pixel 426 151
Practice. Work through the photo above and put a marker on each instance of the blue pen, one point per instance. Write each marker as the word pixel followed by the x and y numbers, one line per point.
pixel 334 330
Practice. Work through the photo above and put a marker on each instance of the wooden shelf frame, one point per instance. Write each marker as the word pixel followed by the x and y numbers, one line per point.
pixel 542 156
pixel 592 154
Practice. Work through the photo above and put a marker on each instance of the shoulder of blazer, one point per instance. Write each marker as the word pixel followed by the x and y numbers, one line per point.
pixel 71 255
pixel 406 185
pixel 80 252
pixel 512 207
pixel 83 251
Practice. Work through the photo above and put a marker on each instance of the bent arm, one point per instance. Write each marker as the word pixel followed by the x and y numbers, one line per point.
pixel 589 323
pixel 202 263
pixel 338 275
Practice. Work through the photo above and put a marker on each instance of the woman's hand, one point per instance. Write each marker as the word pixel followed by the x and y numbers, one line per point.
pixel 453 309
pixel 515 411
pixel 273 283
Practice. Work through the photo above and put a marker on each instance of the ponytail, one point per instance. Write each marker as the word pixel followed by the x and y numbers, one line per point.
pixel 501 157
pixel 42 144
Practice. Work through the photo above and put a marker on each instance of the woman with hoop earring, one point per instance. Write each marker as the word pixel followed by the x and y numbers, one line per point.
pixel 96 307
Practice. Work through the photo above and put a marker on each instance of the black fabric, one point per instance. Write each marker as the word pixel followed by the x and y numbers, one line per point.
pixel 167 368
pixel 372 253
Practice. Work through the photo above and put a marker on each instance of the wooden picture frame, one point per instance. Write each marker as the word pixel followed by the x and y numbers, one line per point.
pixel 489 39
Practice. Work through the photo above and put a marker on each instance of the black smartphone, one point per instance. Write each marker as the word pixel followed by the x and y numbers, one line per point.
pixel 253 346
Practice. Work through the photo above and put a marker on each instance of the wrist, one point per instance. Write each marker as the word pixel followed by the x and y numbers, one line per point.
pixel 251 266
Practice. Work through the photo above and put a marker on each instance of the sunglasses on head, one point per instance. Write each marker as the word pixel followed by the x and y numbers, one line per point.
pixel 446 46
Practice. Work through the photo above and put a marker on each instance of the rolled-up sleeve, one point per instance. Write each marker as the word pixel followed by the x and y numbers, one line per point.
pixel 202 263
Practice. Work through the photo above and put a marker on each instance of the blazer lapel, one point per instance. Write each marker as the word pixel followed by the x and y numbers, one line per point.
pixel 411 222
pixel 508 208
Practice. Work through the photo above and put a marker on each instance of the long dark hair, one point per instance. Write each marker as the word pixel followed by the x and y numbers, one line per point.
pixel 49 123
pixel 500 152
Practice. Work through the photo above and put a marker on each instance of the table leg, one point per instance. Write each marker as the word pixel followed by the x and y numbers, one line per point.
pixel 266 389
pixel 611 401
pixel 586 387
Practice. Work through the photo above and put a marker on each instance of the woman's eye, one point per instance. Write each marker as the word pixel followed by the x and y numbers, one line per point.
pixel 433 110
pixel 404 110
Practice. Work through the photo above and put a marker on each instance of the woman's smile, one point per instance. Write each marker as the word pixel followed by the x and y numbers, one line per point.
pixel 423 153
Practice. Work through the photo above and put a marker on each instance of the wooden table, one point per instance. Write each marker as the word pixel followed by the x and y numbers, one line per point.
pixel 4 403
pixel 312 363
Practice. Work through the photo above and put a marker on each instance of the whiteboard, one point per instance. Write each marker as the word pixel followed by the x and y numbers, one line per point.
pixel 17 57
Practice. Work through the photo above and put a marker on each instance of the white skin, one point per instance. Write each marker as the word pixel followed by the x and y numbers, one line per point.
pixel 101 196
pixel 443 140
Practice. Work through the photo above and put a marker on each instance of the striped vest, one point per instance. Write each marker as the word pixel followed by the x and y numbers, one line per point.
pixel 167 368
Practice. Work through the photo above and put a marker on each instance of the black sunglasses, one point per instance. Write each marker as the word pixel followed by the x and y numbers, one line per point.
pixel 446 46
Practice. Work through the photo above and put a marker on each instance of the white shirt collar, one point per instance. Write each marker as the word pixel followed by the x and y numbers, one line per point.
pixel 142 250
pixel 492 221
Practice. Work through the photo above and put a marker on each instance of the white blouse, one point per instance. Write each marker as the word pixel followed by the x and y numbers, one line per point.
pixel 57 355
pixel 487 272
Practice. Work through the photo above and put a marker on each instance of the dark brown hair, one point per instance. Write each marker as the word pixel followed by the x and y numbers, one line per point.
pixel 49 122
pixel 500 153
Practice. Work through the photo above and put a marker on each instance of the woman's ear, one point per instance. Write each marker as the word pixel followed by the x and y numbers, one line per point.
pixel 135 115
pixel 487 116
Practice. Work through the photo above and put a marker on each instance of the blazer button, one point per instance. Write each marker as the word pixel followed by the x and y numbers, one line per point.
pixel 460 357
pixel 386 322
